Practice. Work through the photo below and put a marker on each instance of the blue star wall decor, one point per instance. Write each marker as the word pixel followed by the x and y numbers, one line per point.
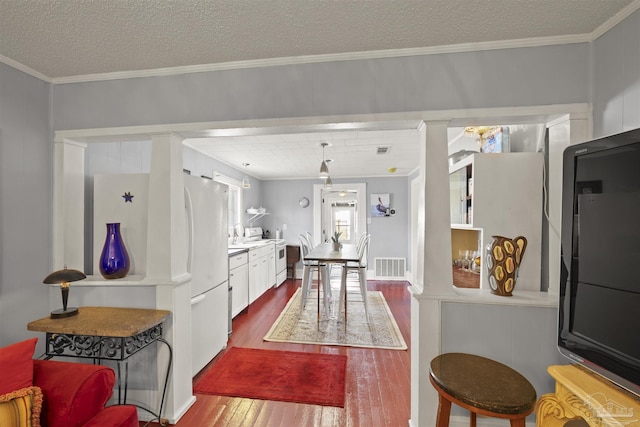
pixel 128 197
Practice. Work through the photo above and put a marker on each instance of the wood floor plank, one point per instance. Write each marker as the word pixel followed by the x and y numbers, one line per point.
pixel 377 384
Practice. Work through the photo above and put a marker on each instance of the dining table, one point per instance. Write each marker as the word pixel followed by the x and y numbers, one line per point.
pixel 325 253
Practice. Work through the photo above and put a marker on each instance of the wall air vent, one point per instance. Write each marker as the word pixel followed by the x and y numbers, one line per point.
pixel 383 150
pixel 390 268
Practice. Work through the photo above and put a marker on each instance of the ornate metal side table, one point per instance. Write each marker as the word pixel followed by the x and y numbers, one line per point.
pixel 106 333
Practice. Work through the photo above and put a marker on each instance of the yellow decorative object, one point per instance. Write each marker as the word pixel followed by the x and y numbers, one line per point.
pixel 583 395
pixel 504 256
pixel 21 408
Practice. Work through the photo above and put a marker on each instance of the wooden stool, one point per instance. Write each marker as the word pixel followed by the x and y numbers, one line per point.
pixel 482 386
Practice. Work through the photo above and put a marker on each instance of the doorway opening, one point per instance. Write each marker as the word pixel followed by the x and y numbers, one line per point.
pixel 341 208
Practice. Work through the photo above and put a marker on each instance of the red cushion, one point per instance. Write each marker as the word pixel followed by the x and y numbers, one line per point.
pixel 73 392
pixel 120 415
pixel 16 365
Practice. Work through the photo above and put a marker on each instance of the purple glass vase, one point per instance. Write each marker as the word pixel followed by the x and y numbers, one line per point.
pixel 114 261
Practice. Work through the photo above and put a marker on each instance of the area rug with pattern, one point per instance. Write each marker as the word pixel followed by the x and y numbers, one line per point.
pixel 290 376
pixel 380 330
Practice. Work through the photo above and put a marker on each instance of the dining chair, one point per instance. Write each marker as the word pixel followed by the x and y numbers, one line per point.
pixel 309 267
pixel 360 268
pixel 312 244
pixel 361 240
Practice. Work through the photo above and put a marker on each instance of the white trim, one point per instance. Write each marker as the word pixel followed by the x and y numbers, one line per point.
pixel 615 19
pixel 332 57
pixel 199 129
pixel 20 67
pixel 217 176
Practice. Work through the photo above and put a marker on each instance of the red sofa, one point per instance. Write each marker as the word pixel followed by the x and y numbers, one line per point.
pixel 74 395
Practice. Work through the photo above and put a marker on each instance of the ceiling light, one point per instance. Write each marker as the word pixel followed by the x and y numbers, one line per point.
pixel 245 181
pixel 392 170
pixel 482 132
pixel 328 184
pixel 324 169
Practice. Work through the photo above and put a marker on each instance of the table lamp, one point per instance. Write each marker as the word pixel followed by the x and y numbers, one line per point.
pixel 63 278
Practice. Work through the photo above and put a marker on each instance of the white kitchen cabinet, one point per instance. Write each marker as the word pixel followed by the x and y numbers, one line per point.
pixel 271 270
pixel 239 282
pixel 501 194
pixel 261 270
pixel 254 279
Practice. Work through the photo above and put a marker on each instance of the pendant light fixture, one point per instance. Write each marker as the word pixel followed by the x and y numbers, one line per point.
pixel 245 181
pixel 324 169
pixel 328 184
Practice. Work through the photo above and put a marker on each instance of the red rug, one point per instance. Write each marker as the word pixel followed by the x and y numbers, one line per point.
pixel 317 379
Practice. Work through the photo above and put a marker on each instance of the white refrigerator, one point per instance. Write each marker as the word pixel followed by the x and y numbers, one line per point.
pixel 208 262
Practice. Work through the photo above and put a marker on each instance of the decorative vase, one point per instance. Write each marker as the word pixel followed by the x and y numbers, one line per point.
pixel 504 256
pixel 337 246
pixel 114 261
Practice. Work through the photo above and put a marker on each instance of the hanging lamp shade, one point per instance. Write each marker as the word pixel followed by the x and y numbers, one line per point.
pixel 324 169
pixel 328 184
pixel 245 180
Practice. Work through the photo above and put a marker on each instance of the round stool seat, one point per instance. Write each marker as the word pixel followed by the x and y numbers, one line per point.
pixel 482 386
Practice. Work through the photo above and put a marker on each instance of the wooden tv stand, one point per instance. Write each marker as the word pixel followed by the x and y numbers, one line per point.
pixel 582 394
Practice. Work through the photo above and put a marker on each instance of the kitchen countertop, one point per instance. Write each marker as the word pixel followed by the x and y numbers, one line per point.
pixel 238 248
pixel 236 251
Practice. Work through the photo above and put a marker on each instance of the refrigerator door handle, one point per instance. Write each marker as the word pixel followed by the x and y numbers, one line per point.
pixel 199 298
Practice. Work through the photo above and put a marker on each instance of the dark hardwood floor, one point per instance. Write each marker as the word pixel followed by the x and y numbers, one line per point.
pixel 377 385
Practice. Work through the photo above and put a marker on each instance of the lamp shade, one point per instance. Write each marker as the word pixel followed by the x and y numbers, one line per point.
pixel 328 184
pixel 246 184
pixel 324 170
pixel 63 276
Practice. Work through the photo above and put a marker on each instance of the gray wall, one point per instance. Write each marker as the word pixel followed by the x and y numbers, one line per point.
pixel 521 337
pixel 499 78
pixel 25 202
pixel 389 235
pixel 616 78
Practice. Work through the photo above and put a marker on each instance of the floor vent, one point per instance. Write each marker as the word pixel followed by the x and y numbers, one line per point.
pixel 390 268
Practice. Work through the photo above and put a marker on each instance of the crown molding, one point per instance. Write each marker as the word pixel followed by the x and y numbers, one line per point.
pixel 18 66
pixel 347 56
pixel 336 57
pixel 615 19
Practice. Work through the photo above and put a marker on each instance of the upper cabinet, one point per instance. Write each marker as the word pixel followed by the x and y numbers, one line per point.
pixel 501 195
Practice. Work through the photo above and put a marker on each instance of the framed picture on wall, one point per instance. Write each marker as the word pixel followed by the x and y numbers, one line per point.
pixel 379 204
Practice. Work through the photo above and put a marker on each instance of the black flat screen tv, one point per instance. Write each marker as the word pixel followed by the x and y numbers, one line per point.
pixel 599 295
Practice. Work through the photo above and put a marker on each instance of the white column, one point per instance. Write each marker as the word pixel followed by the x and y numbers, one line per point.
pixel 166 266
pixel 68 205
pixel 166 229
pixel 434 270
pixel 571 129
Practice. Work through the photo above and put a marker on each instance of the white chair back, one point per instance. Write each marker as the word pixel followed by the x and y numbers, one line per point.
pixel 363 250
pixel 305 247
pixel 361 240
pixel 312 244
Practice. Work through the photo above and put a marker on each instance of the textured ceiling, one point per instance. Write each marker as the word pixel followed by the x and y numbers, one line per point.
pixel 61 38
pixel 73 39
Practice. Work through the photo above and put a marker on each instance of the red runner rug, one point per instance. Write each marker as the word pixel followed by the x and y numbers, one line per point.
pixel 317 379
